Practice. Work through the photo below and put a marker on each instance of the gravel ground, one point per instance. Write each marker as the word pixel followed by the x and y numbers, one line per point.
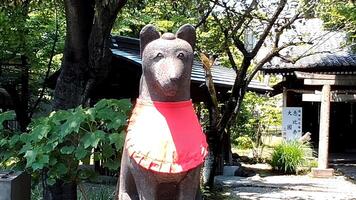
pixel 286 187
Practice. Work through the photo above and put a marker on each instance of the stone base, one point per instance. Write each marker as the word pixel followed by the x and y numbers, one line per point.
pixel 230 170
pixel 322 173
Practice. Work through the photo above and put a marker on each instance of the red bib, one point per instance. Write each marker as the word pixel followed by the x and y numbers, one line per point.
pixel 166 136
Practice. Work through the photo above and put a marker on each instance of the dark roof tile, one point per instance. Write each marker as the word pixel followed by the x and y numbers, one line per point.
pixel 128 48
pixel 317 63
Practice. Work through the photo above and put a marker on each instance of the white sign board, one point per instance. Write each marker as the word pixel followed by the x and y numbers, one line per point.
pixel 292 122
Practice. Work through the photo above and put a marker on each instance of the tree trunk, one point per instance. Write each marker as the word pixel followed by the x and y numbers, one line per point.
pixel 74 70
pixel 217 131
pixel 86 60
pixel 72 80
pixel 99 44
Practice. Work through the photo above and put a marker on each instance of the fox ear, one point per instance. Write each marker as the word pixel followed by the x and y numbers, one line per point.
pixel 147 35
pixel 187 33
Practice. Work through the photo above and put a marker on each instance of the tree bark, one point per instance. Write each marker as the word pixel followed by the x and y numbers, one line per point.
pixel 74 70
pixel 99 43
pixel 86 62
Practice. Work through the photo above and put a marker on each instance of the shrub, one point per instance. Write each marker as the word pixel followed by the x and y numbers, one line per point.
pixel 287 156
pixel 57 143
pixel 244 142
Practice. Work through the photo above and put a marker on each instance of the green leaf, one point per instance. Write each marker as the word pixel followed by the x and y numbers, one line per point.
pixel 49 146
pixel 80 153
pixel 51 181
pixel 25 138
pixel 117 122
pixel 53 161
pixel 67 149
pixel 117 139
pixel 30 156
pixel 91 112
pixel 108 151
pixel 73 122
pixel 112 164
pixel 42 161
pixel 101 104
pixel 26 148
pixel 60 169
pixel 106 114
pixel 14 139
pixel 39 132
pixel 92 139
pixel 124 105
pixel 60 116
pixel 100 134
pixel 3 142
pixel 8 115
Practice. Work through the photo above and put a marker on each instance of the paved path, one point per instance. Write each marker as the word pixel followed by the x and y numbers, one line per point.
pixel 286 187
pixel 345 164
pixel 348 170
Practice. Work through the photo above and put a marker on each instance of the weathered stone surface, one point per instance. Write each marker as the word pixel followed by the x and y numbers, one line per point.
pixel 286 187
pixel 322 173
pixel 15 185
pixel 166 70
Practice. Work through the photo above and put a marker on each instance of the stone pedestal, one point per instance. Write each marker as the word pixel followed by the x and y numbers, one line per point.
pixel 322 173
pixel 15 185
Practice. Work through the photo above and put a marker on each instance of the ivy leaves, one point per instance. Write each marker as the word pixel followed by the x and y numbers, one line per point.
pixel 61 140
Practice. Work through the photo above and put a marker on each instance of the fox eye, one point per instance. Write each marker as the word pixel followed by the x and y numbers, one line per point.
pixel 180 56
pixel 159 55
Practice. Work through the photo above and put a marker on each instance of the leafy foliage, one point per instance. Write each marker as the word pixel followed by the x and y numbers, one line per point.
pixel 287 156
pixel 58 142
pixel 244 142
pixel 34 29
pixel 167 17
pixel 258 113
pixel 340 14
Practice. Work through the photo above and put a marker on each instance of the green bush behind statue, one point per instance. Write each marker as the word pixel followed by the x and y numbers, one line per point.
pixel 55 144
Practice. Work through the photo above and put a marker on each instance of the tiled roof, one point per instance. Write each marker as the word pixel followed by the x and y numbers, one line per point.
pixel 323 63
pixel 128 48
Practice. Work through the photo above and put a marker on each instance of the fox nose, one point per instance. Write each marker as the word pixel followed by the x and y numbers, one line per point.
pixel 173 69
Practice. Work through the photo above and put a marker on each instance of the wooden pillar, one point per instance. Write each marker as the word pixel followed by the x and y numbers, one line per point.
pixel 324 128
pixel 284 97
pixel 322 170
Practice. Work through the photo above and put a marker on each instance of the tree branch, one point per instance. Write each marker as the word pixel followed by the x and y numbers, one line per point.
pixel 267 30
pixel 207 65
pixel 226 43
pixel 240 46
pixel 260 64
pixel 275 52
pixel 244 28
pixel 204 17
pixel 280 30
pixel 49 65
pixel 246 13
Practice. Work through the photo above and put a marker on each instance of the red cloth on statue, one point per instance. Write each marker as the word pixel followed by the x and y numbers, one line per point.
pixel 165 136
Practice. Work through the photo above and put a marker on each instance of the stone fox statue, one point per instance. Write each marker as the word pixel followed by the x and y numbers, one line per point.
pixel 164 146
